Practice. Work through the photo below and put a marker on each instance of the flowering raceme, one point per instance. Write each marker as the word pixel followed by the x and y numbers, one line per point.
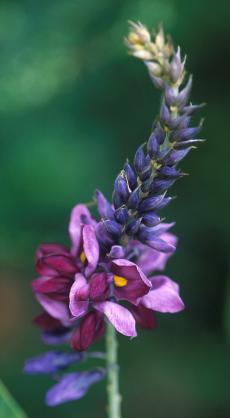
pixel 78 287
pixel 113 272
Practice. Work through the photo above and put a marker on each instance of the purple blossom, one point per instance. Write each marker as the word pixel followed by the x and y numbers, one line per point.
pixel 73 386
pixel 51 362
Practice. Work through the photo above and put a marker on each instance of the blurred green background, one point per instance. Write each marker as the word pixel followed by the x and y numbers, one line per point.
pixel 73 106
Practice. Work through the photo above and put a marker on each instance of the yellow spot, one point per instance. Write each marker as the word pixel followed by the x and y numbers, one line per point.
pixel 120 281
pixel 82 257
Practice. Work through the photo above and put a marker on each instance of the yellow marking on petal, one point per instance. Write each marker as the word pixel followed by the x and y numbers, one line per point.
pixel 83 257
pixel 120 281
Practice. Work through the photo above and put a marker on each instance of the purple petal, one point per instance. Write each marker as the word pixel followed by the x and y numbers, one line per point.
pixel 91 248
pixel 99 287
pixel 164 296
pixel 144 317
pixel 151 260
pixel 91 328
pixel 117 251
pixel 105 209
pixel 137 283
pixel 78 303
pixel 160 245
pixel 119 317
pixel 51 362
pixel 56 309
pixel 80 216
pixel 51 284
pixel 73 386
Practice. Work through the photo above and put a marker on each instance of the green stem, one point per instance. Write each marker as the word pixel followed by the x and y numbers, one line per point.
pixel 114 397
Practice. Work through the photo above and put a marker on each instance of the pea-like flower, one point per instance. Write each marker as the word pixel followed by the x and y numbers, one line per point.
pixel 80 288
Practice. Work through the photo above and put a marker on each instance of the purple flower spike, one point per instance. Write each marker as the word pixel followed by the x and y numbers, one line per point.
pixel 51 362
pixel 164 296
pixel 73 386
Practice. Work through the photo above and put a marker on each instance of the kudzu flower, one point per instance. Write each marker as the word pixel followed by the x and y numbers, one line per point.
pixel 114 269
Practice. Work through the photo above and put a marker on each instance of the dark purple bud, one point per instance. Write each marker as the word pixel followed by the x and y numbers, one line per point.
pixel 165 114
pixel 131 176
pixel 176 67
pixel 133 226
pixel 121 215
pixel 140 160
pixel 117 251
pixel 189 110
pixel 117 200
pixel 152 146
pixel 159 133
pixel 148 234
pixel 183 96
pixel 160 245
pixel 164 154
pixel 121 188
pixel 178 155
pixel 146 173
pixel 167 171
pixel 146 185
pixel 73 386
pixel 161 185
pixel 113 228
pixel 184 122
pixel 104 238
pixel 187 133
pixel 164 202
pixel 150 203
pixel 51 362
pixel 151 219
pixel 91 327
pixel 105 209
pixel 134 199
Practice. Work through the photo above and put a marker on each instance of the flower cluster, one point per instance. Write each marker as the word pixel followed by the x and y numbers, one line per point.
pixel 113 270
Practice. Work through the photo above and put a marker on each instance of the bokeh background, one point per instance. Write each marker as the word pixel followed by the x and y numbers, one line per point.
pixel 73 106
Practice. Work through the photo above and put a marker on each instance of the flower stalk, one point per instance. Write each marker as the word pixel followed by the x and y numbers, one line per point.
pixel 114 397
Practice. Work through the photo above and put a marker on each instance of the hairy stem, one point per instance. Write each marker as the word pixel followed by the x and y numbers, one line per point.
pixel 114 397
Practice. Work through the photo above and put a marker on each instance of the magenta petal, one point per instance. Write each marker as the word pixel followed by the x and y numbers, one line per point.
pixel 144 317
pixel 164 296
pixel 91 248
pixel 119 317
pixel 78 303
pixel 137 283
pixel 151 260
pixel 56 309
pixel 80 215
